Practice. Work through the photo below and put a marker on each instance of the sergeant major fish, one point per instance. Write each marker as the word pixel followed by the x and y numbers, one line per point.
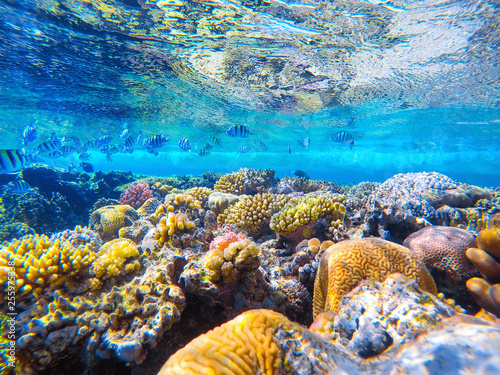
pixel 12 160
pixel 343 137
pixel 184 144
pixel 238 131
pixel 28 136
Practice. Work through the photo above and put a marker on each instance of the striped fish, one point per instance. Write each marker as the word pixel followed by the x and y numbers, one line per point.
pixel 12 160
pixel 19 186
pixel 214 140
pixel 343 137
pixel 238 131
pixel 155 141
pixel 203 152
pixel 184 144
pixel 28 136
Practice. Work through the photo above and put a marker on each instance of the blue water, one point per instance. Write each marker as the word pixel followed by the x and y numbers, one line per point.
pixel 415 83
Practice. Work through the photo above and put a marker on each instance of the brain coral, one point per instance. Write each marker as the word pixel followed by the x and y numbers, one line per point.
pixel 346 263
pixel 245 345
pixel 443 249
pixel 108 220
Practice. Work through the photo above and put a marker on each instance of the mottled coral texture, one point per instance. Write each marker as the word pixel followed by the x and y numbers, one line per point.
pixel 136 194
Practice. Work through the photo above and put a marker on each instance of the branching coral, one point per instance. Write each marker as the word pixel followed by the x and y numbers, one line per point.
pixel 346 263
pixel 302 211
pixel 253 214
pixel 230 256
pixel 136 194
pixel 170 224
pixel 38 262
pixel 231 183
pixel 487 260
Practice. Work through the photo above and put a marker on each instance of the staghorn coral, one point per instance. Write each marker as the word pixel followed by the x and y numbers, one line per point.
pixel 302 211
pixel 108 220
pixel 39 261
pixel 245 345
pixel 346 263
pixel 253 214
pixel 170 224
pixel 486 259
pixel 136 194
pixel 442 249
pixel 230 256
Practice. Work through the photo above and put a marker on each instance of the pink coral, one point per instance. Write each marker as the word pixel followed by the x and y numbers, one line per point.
pixel 222 242
pixel 136 194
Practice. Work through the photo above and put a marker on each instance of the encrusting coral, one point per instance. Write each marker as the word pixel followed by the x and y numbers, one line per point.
pixel 486 259
pixel 111 258
pixel 346 263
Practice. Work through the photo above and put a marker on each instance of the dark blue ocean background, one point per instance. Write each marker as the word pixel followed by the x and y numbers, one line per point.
pixel 416 83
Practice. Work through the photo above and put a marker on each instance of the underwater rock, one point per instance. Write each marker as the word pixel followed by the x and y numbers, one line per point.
pixel 218 201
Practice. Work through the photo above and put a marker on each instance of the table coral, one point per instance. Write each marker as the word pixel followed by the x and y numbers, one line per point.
pixel 136 194
pixel 108 220
pixel 486 259
pixel 39 261
pixel 230 257
pixel 346 263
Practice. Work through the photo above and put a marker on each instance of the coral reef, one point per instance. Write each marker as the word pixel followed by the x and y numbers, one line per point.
pixel 112 256
pixel 170 224
pixel 136 194
pixel 108 220
pixel 218 202
pixel 346 263
pixel 415 331
pixel 231 183
pixel 288 185
pixel 246 181
pixel 486 259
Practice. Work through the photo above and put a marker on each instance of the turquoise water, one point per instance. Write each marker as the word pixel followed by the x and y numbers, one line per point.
pixel 415 83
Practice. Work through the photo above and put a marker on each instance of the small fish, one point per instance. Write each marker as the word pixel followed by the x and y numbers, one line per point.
pixel 124 134
pixel 238 131
pixel 12 160
pixel 108 149
pixel 289 150
pixel 304 142
pixel 214 140
pixel 299 173
pixel 343 137
pixel 84 156
pixel 67 150
pixel 87 167
pixel 260 145
pixel 243 150
pixel 48 147
pixel 104 140
pixel 155 141
pixel 203 152
pixel 29 135
pixel 19 186
pixel 128 143
pixel 208 147
pixel 184 144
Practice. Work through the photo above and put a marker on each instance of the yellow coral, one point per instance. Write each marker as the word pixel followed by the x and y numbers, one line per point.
pixel 245 345
pixel 108 220
pixel 345 264
pixel 200 194
pixel 171 223
pixel 304 210
pixel 37 261
pixel 111 258
pixel 231 183
pixel 253 214
pixel 230 262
